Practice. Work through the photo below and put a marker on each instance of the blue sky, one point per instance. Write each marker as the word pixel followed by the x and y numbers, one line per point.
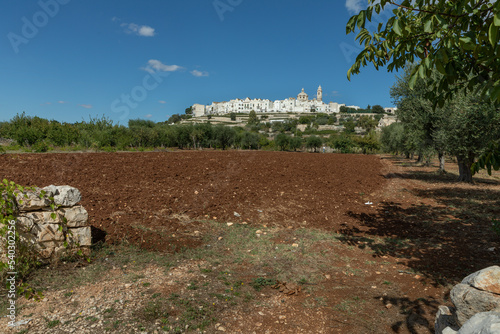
pixel 68 59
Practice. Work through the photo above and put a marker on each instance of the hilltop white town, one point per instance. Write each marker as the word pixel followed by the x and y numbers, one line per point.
pixel 301 104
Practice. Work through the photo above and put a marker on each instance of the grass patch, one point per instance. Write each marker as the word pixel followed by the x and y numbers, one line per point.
pixel 52 323
pixel 259 283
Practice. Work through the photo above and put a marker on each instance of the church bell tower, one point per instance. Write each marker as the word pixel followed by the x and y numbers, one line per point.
pixel 319 96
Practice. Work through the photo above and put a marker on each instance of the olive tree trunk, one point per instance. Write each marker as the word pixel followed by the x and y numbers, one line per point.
pixel 464 169
pixel 441 163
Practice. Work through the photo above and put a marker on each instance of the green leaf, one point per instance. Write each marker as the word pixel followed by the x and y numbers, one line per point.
pixel 440 67
pixel 443 55
pixel 496 19
pixel 495 92
pixel 493 34
pixel 428 26
pixel 361 19
pixel 351 24
pixel 421 71
pixel 369 12
pixel 467 43
pixel 397 27
pixel 413 80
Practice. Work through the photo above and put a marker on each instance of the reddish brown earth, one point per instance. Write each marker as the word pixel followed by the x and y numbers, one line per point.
pixel 422 233
pixel 159 191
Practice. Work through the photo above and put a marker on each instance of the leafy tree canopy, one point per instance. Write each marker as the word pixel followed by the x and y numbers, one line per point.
pixel 252 118
pixel 378 109
pixel 458 38
pixel 175 118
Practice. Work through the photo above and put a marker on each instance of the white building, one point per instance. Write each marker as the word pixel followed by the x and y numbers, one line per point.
pixel 198 110
pixel 300 104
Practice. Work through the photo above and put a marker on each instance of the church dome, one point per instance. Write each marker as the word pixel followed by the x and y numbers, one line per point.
pixel 302 96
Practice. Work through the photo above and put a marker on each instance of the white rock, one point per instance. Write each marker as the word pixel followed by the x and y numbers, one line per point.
pixel 26 223
pixel 30 200
pixel 64 195
pixel 80 235
pixel 50 191
pixel 482 323
pixel 47 232
pixel 76 216
pixel 469 301
pixel 487 279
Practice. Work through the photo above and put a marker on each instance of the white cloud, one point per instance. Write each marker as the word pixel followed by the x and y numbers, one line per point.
pixel 146 31
pixel 355 6
pixel 86 106
pixel 162 102
pixel 133 28
pixel 148 116
pixel 61 102
pixel 157 66
pixel 197 73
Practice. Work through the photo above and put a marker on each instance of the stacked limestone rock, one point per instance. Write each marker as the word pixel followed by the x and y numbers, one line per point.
pixel 52 233
pixel 477 305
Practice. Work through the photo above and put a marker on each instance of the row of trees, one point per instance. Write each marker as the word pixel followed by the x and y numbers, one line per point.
pixel 341 142
pixel 376 109
pixel 462 128
pixel 39 134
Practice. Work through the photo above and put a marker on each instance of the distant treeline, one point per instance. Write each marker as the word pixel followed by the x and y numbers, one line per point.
pixel 32 133
pixel 99 133
pixel 376 109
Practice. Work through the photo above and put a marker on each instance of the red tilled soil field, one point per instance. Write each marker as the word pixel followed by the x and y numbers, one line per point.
pixel 366 244
pixel 159 192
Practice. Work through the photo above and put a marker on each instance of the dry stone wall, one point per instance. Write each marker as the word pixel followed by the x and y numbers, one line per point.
pixel 53 231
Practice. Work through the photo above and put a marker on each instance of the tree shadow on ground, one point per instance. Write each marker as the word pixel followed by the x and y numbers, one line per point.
pixel 437 178
pixel 442 243
pixel 433 176
pixel 416 312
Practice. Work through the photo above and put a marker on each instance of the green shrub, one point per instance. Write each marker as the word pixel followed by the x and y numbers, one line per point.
pixel 295 143
pixel 313 142
pixel 282 141
pixel 41 147
pixel 343 143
